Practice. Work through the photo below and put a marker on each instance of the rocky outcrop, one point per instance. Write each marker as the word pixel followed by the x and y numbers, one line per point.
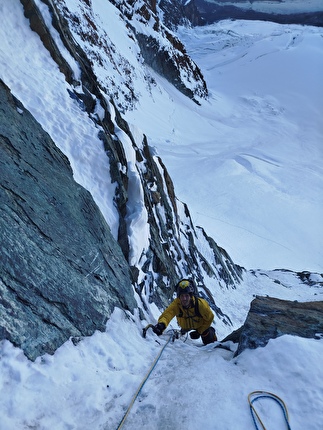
pixel 269 318
pixel 180 12
pixel 169 64
pixel 62 273
pixel 160 47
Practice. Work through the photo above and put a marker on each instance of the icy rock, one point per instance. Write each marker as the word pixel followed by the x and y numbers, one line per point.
pixel 269 318
pixel 62 272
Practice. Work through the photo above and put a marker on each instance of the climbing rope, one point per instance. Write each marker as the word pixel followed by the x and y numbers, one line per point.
pixel 261 395
pixel 171 337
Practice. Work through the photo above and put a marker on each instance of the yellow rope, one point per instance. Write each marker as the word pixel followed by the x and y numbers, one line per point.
pixel 142 384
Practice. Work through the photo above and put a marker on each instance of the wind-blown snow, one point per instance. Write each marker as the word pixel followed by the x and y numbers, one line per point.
pixel 248 163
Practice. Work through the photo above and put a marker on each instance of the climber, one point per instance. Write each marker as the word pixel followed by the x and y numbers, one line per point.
pixel 192 313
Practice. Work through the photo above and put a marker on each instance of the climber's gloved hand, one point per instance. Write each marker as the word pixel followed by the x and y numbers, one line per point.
pixel 159 328
pixel 194 334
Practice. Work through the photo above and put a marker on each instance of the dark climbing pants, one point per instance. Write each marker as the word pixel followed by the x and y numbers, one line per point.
pixel 209 336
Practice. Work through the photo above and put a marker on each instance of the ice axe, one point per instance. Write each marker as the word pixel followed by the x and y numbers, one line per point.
pixel 144 330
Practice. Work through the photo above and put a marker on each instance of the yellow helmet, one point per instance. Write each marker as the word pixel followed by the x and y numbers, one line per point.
pixel 185 286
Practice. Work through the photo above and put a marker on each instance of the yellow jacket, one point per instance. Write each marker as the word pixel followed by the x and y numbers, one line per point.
pixel 186 318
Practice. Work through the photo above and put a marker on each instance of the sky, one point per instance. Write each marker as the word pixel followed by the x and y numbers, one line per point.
pixel 248 164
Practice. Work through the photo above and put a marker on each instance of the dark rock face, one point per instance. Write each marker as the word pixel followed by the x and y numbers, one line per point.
pixel 168 64
pixel 180 12
pixel 62 273
pixel 269 318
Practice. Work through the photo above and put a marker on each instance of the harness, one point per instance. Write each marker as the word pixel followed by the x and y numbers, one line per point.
pixel 196 310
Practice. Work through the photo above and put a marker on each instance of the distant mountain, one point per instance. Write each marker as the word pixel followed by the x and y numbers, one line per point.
pixel 280 11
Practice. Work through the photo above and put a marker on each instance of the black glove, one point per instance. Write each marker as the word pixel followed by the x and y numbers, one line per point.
pixel 194 334
pixel 159 328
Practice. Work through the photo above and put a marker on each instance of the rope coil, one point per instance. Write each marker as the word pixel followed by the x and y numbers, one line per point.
pixel 261 395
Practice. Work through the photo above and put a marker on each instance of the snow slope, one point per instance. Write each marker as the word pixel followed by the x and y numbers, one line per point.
pixel 249 160
pixel 91 385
